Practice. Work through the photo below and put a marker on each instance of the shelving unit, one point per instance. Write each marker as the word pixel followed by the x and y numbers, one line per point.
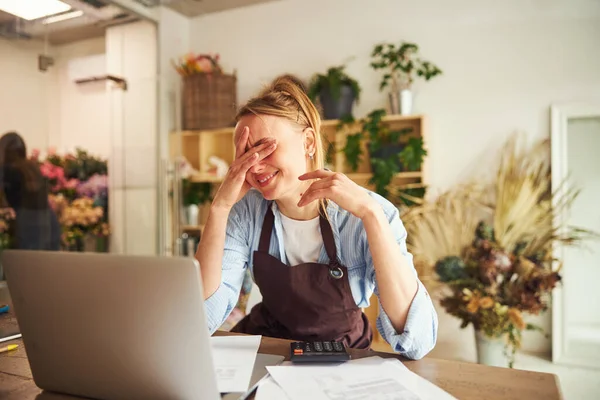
pixel 198 146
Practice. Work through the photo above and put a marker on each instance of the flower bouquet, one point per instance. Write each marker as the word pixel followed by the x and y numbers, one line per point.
pixel 488 248
pixel 191 64
pixel 78 194
pixel 80 218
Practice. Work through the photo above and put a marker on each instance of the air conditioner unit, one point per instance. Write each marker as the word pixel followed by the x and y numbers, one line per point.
pixel 90 69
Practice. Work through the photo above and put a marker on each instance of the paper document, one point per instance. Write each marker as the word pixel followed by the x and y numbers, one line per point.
pixel 234 358
pixel 270 390
pixel 375 379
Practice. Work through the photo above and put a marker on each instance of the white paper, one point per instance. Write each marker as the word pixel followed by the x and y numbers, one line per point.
pixel 385 379
pixel 233 358
pixel 270 390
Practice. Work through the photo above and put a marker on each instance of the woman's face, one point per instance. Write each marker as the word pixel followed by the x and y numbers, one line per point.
pixel 276 176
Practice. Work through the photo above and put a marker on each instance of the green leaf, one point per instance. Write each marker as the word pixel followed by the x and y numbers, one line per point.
pixel 353 151
pixel 413 154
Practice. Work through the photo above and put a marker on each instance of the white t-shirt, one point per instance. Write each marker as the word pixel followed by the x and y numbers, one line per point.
pixel 302 240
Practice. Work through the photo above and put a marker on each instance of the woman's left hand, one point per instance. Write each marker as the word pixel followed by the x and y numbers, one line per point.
pixel 339 188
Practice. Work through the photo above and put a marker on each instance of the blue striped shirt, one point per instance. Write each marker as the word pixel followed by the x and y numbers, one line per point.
pixel 243 233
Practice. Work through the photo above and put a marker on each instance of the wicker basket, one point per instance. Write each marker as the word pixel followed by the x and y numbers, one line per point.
pixel 209 101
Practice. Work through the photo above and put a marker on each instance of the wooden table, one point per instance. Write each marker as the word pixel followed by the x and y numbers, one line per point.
pixel 462 380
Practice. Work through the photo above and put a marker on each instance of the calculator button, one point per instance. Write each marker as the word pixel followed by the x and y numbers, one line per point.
pixel 338 346
pixel 298 351
pixel 297 345
pixel 318 346
pixel 307 348
pixel 327 346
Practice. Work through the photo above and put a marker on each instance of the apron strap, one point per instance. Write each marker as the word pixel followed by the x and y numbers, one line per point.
pixel 328 240
pixel 265 233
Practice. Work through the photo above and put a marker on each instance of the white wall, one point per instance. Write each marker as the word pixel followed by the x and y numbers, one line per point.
pixel 80 111
pixel 131 53
pixel 504 64
pixel 24 92
pixel 173 41
pixel 47 108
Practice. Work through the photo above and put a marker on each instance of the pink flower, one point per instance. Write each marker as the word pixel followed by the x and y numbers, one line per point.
pixel 51 151
pixel 35 154
pixel 71 184
pixel 47 170
pixel 205 65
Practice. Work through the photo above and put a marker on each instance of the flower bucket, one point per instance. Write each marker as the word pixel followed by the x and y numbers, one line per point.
pixel 491 350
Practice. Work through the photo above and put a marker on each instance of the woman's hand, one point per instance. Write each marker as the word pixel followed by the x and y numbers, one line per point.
pixel 234 185
pixel 339 188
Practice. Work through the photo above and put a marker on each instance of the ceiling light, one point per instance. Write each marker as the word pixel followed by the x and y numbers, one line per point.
pixel 33 9
pixel 62 17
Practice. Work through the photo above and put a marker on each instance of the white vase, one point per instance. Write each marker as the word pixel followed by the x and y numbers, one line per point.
pixel 191 214
pixel 401 102
pixel 406 102
pixel 491 351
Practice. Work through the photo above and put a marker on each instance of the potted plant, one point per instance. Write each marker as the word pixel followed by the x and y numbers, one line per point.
pixel 194 194
pixel 487 247
pixel 336 92
pixel 388 153
pixel 401 66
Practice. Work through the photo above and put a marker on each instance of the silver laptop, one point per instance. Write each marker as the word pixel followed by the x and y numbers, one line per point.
pixel 111 326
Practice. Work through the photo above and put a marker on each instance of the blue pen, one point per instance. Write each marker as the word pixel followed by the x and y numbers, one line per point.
pixel 3 308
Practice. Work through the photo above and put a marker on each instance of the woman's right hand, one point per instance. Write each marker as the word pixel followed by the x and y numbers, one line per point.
pixel 234 185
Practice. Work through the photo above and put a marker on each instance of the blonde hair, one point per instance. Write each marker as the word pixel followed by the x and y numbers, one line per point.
pixel 286 97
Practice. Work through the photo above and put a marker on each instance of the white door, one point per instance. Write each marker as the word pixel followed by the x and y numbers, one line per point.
pixel 576 308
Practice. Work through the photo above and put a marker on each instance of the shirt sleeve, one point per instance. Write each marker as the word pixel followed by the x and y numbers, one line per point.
pixel 235 261
pixel 420 331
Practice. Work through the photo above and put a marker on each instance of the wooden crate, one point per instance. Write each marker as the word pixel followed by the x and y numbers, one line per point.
pixel 209 101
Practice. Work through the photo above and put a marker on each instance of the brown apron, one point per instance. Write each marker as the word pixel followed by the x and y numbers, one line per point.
pixel 306 302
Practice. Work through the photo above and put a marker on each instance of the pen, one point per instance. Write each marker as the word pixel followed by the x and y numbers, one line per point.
pixel 10 347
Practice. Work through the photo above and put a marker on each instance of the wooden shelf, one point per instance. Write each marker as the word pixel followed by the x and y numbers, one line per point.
pixel 220 131
pixel 332 123
pixel 198 146
pixel 193 227
pixel 367 175
pixel 200 178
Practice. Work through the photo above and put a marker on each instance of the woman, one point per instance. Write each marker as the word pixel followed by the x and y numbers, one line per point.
pixel 26 191
pixel 317 244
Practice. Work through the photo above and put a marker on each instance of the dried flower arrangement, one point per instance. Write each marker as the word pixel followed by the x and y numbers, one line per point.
pixel 488 248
